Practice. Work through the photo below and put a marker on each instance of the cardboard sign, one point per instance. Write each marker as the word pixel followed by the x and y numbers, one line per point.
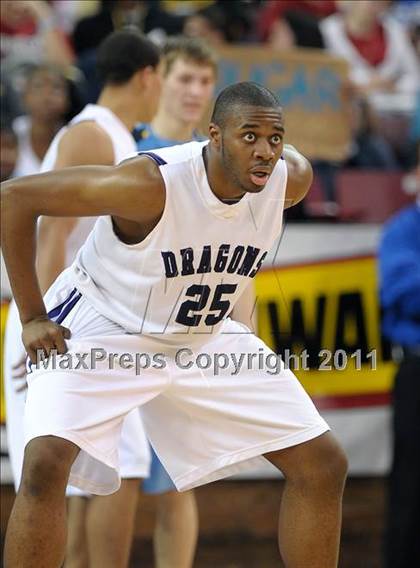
pixel 309 84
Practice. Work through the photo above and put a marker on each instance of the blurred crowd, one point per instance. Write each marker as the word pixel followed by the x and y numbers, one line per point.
pixel 48 75
pixel 48 63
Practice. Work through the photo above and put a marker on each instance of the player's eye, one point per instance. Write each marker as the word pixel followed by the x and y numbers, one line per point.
pixel 276 139
pixel 249 137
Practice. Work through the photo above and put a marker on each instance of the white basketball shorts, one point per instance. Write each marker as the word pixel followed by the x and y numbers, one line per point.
pixel 208 413
pixel 134 449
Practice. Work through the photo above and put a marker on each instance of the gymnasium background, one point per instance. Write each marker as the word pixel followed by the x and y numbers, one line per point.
pixel 318 289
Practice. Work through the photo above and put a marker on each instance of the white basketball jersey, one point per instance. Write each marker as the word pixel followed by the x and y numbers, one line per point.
pixel 183 279
pixel 27 162
pixel 124 145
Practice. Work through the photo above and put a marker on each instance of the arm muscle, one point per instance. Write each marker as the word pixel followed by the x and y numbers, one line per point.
pixel 134 191
pixel 299 176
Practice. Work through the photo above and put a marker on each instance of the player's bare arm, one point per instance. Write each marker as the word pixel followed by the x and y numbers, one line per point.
pixel 299 176
pixel 85 143
pixel 133 193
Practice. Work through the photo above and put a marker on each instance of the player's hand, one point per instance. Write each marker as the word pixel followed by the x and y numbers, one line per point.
pixel 45 335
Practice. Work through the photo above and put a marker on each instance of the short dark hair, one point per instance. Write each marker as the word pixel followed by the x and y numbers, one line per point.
pixel 246 93
pixel 214 16
pixel 123 53
pixel 191 49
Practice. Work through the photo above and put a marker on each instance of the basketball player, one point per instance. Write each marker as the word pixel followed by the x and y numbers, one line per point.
pixel 100 134
pixel 181 232
pixel 189 72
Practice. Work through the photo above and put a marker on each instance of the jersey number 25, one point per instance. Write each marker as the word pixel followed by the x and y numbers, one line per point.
pixel 187 312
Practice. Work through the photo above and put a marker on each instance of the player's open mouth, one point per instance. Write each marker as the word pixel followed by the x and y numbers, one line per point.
pixel 259 177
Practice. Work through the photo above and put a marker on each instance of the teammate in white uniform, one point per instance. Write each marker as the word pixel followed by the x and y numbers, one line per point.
pixel 185 229
pixel 100 134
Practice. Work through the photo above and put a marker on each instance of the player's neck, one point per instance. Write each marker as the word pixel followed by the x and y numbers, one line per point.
pixel 41 134
pixel 122 103
pixel 41 128
pixel 166 126
pixel 359 25
pixel 216 177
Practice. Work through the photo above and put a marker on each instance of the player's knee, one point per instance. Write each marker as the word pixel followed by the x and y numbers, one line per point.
pixel 328 470
pixel 46 465
pixel 173 506
pixel 320 464
pixel 334 470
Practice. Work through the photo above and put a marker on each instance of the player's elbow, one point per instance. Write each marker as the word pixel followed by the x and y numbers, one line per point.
pixel 300 178
pixel 13 194
pixel 9 199
pixel 16 204
pixel 6 192
pixel 304 175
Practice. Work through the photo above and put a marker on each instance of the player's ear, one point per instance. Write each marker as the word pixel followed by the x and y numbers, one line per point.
pixel 145 78
pixel 215 134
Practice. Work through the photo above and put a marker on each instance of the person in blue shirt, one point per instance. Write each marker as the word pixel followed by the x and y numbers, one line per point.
pixel 189 70
pixel 399 267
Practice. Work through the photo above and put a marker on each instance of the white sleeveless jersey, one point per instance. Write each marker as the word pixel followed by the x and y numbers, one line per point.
pixel 183 279
pixel 27 162
pixel 124 145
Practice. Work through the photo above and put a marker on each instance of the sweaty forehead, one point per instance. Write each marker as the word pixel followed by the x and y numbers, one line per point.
pixel 255 115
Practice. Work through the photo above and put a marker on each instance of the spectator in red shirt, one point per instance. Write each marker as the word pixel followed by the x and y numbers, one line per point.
pixel 29 34
pixel 382 60
pixel 292 23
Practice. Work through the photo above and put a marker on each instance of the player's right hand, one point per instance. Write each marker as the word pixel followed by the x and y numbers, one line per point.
pixel 45 335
